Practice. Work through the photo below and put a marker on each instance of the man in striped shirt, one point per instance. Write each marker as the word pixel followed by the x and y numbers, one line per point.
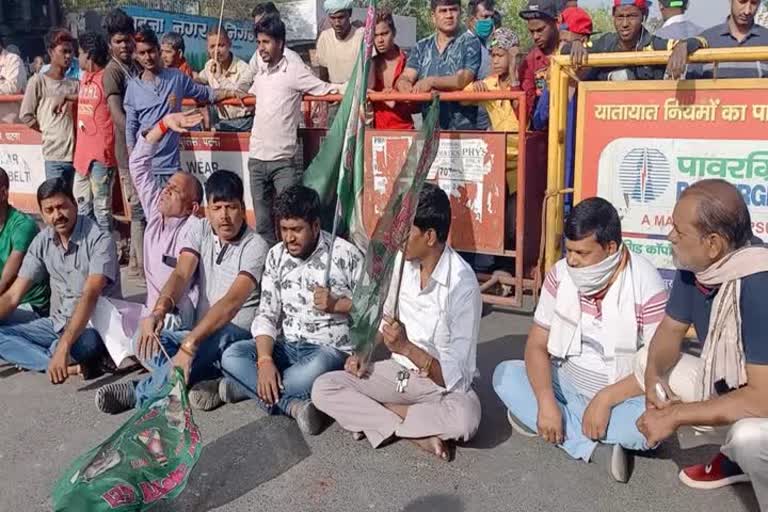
pixel 599 306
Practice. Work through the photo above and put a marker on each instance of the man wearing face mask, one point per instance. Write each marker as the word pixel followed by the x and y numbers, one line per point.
pixel 480 22
pixel 720 289
pixel 598 307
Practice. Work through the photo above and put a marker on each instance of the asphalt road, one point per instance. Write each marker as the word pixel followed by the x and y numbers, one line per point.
pixel 252 462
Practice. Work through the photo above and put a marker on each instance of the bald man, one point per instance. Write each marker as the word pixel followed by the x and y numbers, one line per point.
pixel 168 209
pixel 721 288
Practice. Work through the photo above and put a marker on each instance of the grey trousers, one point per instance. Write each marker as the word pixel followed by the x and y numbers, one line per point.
pixel 746 441
pixel 268 180
pixel 357 405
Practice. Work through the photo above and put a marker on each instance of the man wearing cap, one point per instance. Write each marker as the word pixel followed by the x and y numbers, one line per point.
pixel 337 47
pixel 575 24
pixel 676 23
pixel 448 60
pixel 541 17
pixel 632 36
pixel 738 31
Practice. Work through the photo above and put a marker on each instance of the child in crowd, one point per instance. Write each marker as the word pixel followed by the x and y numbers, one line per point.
pixel 504 46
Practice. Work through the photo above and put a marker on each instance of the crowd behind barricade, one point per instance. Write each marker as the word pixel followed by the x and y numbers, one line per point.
pixel 256 314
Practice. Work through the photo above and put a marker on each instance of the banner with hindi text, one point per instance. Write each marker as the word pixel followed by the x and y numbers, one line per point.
pixel 640 144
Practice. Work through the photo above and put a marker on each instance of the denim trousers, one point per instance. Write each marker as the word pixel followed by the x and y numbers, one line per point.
pixel 510 381
pixel 299 364
pixel 55 169
pixel 93 194
pixel 205 365
pixel 268 180
pixel 31 345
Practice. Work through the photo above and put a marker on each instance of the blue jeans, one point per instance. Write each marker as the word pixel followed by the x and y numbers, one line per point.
pixel 21 315
pixel 204 366
pixel 93 194
pixel 299 364
pixel 54 169
pixel 510 381
pixel 239 124
pixel 31 345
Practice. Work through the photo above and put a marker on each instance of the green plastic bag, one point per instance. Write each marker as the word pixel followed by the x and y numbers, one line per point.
pixel 147 460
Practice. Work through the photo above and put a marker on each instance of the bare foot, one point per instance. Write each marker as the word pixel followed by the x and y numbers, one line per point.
pixel 74 369
pixel 433 445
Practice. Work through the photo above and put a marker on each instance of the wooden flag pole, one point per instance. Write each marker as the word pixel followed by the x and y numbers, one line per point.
pixel 218 40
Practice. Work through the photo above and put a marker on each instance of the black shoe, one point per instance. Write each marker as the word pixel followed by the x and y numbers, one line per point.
pixel 116 397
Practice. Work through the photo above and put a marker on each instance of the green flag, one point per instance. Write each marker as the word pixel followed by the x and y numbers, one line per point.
pixel 338 169
pixel 146 461
pixel 391 233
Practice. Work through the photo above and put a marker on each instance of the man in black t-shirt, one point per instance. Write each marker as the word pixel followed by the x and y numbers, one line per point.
pixel 721 288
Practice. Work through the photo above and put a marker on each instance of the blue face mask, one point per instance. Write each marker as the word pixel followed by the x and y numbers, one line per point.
pixel 484 28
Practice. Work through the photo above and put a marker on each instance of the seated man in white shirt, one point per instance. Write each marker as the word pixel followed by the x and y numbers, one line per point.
pixel 599 305
pixel 424 392
pixel 302 327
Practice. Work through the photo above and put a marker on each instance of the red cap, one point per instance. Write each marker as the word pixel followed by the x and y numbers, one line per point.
pixel 576 20
pixel 642 4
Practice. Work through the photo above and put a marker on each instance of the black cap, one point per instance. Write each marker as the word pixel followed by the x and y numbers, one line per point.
pixel 541 10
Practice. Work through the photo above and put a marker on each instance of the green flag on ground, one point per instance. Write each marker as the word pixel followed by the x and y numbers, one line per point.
pixel 146 461
pixel 391 233
pixel 338 169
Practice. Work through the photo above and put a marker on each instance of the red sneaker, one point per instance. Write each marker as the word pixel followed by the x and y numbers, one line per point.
pixel 721 471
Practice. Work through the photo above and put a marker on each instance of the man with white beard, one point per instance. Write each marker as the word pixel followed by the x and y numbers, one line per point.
pixel 599 305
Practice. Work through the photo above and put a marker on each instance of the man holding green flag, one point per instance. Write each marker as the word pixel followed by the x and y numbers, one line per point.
pixel 431 325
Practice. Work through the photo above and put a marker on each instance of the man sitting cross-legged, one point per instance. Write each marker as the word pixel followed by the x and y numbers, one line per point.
pixel 599 306
pixel 302 328
pixel 228 258
pixel 81 263
pixel 424 392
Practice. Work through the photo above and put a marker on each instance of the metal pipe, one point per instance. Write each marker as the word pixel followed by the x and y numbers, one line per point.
pixel 655 58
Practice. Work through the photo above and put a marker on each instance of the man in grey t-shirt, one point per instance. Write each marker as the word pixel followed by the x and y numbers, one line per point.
pixel 81 262
pixel 228 258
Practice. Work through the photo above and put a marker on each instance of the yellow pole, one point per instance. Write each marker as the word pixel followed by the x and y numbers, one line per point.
pixel 558 110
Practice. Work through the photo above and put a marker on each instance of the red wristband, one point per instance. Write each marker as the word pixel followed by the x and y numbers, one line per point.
pixel 162 126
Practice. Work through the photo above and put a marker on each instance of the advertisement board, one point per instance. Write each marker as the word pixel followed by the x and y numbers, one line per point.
pixel 640 144
pixel 470 167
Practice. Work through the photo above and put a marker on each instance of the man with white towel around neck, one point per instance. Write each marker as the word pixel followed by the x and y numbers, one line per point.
pixel 599 305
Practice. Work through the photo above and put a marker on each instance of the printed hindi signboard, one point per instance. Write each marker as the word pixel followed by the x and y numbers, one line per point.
pixel 469 166
pixel 640 144
pixel 194 30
